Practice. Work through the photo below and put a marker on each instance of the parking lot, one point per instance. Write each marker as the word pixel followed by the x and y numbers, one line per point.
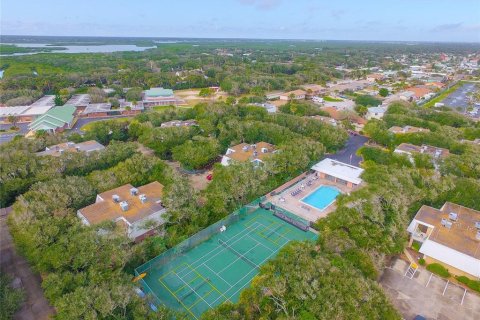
pixel 459 99
pixel 428 295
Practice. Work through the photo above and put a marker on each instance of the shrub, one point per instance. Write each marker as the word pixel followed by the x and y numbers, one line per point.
pixel 472 284
pixel 421 261
pixel 416 246
pixel 438 269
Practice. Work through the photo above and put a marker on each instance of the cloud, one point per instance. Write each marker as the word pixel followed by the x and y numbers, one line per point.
pixel 447 27
pixel 262 4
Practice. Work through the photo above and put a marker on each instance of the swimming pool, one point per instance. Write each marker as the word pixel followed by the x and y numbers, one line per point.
pixel 322 197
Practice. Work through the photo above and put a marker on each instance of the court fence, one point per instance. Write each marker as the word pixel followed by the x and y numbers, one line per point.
pixel 197 238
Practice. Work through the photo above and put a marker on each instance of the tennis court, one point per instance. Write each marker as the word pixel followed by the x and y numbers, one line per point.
pixel 219 268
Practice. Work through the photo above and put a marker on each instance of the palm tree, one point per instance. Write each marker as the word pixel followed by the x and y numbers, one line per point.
pixel 13 120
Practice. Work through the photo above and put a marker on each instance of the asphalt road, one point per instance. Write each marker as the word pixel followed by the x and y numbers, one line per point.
pixel 347 154
pixel 6 137
pixel 459 98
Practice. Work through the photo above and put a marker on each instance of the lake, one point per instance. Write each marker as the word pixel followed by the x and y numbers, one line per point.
pixel 108 48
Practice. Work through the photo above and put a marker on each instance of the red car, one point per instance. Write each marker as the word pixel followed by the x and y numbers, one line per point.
pixel 210 177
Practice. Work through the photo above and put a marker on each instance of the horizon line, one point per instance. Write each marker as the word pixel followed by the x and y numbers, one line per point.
pixel 243 38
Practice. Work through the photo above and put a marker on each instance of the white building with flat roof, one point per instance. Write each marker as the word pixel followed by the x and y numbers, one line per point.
pixel 339 172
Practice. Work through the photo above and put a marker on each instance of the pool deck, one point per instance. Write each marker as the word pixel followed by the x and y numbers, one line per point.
pixel 294 204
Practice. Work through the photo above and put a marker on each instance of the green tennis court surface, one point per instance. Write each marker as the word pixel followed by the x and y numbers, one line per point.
pixel 219 268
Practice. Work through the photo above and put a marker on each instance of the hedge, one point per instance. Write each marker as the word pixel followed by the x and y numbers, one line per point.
pixel 472 284
pixel 439 270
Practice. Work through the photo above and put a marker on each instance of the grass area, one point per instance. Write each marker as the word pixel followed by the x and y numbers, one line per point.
pixel 163 108
pixel 89 125
pixel 438 269
pixel 331 99
pixel 442 95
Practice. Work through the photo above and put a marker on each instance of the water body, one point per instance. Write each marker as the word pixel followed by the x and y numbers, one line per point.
pixel 1 73
pixel 108 48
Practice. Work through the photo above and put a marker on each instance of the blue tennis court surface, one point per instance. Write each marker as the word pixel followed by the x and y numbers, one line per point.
pixel 322 197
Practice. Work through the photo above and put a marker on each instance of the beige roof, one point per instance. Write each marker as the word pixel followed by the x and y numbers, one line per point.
pixel 244 152
pixel 295 93
pixel 105 208
pixel 461 236
pixel 433 151
pixel 407 129
pixel 58 149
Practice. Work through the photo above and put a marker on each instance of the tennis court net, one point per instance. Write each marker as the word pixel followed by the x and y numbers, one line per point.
pixel 238 254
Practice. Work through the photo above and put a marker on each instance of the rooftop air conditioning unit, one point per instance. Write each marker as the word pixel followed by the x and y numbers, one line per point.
pixel 124 205
pixel 448 225
pixel 478 235
pixel 245 148
pixel 133 191
pixel 453 216
pixel 444 222
pixel 477 224
pixel 143 198
pixel 264 150
pixel 116 198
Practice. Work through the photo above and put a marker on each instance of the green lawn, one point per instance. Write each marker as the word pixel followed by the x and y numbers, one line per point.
pixel 330 99
pixel 89 125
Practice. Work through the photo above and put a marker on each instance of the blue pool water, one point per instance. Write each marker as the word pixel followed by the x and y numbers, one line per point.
pixel 322 197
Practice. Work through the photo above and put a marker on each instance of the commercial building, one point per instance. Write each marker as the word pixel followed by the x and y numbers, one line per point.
pixel 158 97
pixel 59 149
pixel 138 210
pixel 339 172
pixel 243 152
pixel 449 236
pixel 97 110
pixel 56 119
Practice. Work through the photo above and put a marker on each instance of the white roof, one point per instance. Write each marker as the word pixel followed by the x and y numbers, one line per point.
pixel 34 111
pixel 377 109
pixel 339 170
pixel 12 111
pixel 48 100
pixel 451 257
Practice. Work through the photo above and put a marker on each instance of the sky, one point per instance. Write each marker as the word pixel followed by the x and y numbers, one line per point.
pixel 387 20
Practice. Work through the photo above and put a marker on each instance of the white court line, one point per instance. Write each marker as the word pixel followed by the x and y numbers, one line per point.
pixel 238 258
pixel 206 265
pixel 281 235
pixel 192 289
pixel 229 298
pixel 260 243
pixel 216 248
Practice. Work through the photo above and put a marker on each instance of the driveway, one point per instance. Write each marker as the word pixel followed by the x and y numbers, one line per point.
pixel 6 137
pixel 428 295
pixel 36 305
pixel 348 154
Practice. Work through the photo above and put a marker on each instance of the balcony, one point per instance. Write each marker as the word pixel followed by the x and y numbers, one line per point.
pixel 419 236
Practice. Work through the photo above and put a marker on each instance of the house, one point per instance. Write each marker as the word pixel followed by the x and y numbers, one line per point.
pixel 327 120
pixel 243 152
pixel 410 149
pixel 158 97
pixel 59 149
pixel 449 236
pixel 179 123
pixel 296 95
pixel 407 129
pixel 273 95
pixel 375 77
pixel 138 210
pixel 54 120
pixel 339 172
pixel 420 93
pixel 270 107
pixel 317 100
pixel 375 112
pixel 314 90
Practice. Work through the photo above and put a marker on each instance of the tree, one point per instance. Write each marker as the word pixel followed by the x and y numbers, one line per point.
pixel 11 298
pixel 13 120
pixel 205 92
pixel 58 100
pixel 383 92
pixel 196 153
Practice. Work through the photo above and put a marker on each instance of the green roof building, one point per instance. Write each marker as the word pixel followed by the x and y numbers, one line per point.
pixel 158 92
pixel 55 119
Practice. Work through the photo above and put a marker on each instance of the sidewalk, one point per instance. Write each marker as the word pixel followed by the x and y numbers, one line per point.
pixel 36 305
